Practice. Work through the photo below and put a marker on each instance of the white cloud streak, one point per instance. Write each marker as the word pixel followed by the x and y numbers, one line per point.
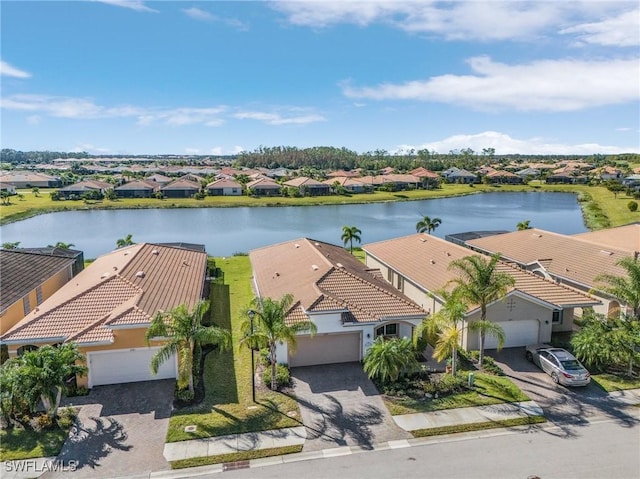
pixel 204 16
pixel 505 145
pixel 277 119
pixel 7 70
pixel 544 85
pixel 594 22
pixel 137 5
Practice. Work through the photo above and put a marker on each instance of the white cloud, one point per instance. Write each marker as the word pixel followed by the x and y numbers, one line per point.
pixel 137 5
pixel 277 119
pixel 7 70
pixel 34 119
pixel 624 128
pixel 505 145
pixel 199 14
pixel 547 85
pixel 91 149
pixel 238 149
pixel 192 151
pixel 622 30
pixel 458 20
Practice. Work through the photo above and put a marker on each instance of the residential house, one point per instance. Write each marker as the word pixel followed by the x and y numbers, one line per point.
pixel 528 173
pixel 224 187
pixel 458 175
pixel 108 307
pixel 503 177
pixel 308 186
pixel 77 190
pixel 264 187
pixel 343 174
pixel 30 276
pixel 350 304
pixel 29 179
pixel 632 181
pixel 575 261
pixel 181 188
pixel 428 178
pixel 160 179
pixel 8 188
pixel 610 173
pixel 567 178
pixel 418 265
pixel 352 185
pixel 137 189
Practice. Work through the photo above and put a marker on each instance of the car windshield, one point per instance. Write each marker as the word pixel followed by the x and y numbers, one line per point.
pixel 571 365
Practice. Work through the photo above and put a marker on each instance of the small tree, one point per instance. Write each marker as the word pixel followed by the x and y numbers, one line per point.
pixel 388 360
pixel 182 330
pixel 633 206
pixel 36 191
pixel 10 245
pixel 523 225
pixel 349 235
pixel 427 224
pixel 111 194
pixel 126 241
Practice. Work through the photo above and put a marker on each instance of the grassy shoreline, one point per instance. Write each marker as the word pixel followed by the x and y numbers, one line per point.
pixel 600 208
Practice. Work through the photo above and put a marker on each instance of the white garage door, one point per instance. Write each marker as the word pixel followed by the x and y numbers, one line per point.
pixel 516 333
pixel 126 366
pixel 326 349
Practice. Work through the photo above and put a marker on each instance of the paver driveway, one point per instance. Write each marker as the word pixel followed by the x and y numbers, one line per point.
pixel 566 407
pixel 121 430
pixel 340 406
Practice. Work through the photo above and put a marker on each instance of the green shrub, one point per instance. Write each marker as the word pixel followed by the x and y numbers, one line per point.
pixel 41 422
pixel 66 417
pixel 264 357
pixel 283 376
pixel 184 395
pixel 633 206
pixel 448 384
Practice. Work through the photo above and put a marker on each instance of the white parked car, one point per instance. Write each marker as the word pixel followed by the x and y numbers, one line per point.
pixel 558 363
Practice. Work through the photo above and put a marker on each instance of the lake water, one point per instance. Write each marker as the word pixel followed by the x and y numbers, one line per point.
pixel 225 231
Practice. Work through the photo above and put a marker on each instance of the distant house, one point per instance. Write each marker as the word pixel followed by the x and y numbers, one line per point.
pixel 137 189
pixel 30 276
pixel 610 173
pixel 88 186
pixel 567 178
pixel 343 174
pixel 352 185
pixel 387 170
pixel 224 187
pixel 27 179
pixel 180 188
pixel 402 182
pixel 8 187
pixel 191 177
pixel 264 187
pixel 503 177
pixel 308 186
pixel 428 178
pixel 160 179
pixel 108 307
pixel 632 181
pixel 459 175
pixel 528 173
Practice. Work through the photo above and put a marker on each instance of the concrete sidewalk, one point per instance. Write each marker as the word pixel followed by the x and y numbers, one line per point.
pixel 467 415
pixel 630 397
pixel 214 446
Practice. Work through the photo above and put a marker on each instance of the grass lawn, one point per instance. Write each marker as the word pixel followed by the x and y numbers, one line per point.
pixel 234 457
pixel 602 211
pixel 479 426
pixel 27 443
pixel 612 382
pixel 228 407
pixel 488 389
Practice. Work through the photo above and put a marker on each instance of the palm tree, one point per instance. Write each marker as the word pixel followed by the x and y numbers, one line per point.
pixel 62 245
pixel 349 235
pixel 265 326
pixel 427 224
pixel 126 241
pixel 183 330
pixel 44 373
pixel 444 326
pixel 523 225
pixel 480 283
pixel 390 359
pixel 485 328
pixel 10 245
pixel 626 289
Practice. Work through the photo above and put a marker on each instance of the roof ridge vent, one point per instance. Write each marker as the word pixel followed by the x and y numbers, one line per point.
pixel 155 252
pixel 608 253
pixel 140 274
pixel 315 267
pixel 339 265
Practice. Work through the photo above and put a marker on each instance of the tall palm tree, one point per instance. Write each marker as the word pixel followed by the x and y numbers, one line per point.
pixel 523 225
pixel 349 235
pixel 444 326
pixel 126 241
pixel 182 329
pixel 62 245
pixel 427 224
pixel 265 326
pixel 480 283
pixel 387 360
pixel 626 289
pixel 487 328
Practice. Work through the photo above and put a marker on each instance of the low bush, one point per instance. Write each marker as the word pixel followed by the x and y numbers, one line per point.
pixel 283 376
pixel 41 422
pixel 632 205
pixel 184 395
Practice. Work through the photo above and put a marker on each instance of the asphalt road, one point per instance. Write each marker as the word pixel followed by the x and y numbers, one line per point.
pixel 602 449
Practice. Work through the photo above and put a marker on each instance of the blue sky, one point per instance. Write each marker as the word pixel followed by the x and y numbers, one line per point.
pixel 161 77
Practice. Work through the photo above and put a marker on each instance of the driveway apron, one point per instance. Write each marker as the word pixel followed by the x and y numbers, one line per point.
pixel 340 406
pixel 120 431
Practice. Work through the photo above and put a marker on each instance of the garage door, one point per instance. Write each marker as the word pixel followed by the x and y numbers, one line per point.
pixel 516 333
pixel 126 366
pixel 326 349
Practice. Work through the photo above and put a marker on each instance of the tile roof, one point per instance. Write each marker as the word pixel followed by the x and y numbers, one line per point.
pixel 263 183
pixel 224 183
pixel 125 287
pixel 181 184
pixel 139 185
pixel 424 260
pixel 304 181
pixel 564 256
pixel 23 271
pixel 88 185
pixel 325 277
pixel 626 237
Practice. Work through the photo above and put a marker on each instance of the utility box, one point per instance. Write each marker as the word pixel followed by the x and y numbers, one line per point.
pixel 471 380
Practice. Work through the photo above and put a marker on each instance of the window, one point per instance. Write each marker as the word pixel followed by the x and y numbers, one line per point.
pixel 390 276
pixel 26 305
pixel 388 330
pixel 38 295
pixel 400 283
pixel 557 317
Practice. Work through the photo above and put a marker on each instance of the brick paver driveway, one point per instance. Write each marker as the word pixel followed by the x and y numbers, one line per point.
pixel 341 407
pixel 568 408
pixel 121 430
